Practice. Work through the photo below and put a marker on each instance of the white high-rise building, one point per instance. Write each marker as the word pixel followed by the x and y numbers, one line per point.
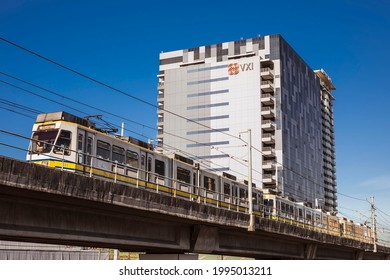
pixel 260 84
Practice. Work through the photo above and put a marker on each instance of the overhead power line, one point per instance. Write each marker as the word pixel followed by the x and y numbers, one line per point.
pixel 41 96
pixel 110 87
pixel 19 106
pixel 16 112
pixel 99 109
pixel 75 101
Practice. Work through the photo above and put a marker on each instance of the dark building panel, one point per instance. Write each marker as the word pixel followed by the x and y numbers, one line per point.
pixel 171 60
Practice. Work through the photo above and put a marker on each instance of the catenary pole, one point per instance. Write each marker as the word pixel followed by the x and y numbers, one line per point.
pixel 251 226
pixel 373 222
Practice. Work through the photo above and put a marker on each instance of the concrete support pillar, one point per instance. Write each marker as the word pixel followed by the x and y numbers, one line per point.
pixel 359 255
pixel 204 239
pixel 310 251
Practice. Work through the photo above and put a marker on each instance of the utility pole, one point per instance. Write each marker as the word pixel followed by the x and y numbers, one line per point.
pixel 373 223
pixel 251 226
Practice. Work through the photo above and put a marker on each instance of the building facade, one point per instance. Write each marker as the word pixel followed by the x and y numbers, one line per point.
pixel 209 96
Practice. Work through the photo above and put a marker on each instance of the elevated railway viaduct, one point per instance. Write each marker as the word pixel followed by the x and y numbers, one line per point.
pixel 39 204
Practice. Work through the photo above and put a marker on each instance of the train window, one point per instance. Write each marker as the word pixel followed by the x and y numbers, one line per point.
pixel 142 162
pixel 132 158
pixel 254 198
pixel 226 188
pixel 80 142
pixel 300 213
pixel 269 202
pixel 243 194
pixel 283 207
pixel 209 183
pixel 318 218
pixel 103 150
pixel 118 154
pixel 149 164
pixel 63 143
pixel 43 141
pixel 159 167
pixel 183 175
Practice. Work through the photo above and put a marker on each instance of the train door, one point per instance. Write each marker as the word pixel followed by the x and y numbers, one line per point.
pixel 256 198
pixel 300 213
pixel 160 170
pixel 146 166
pixel 269 206
pixel 80 146
pixel 150 167
pixel 309 216
pixel 234 196
pixel 195 182
pixel 243 196
pixel 84 149
pixel 143 171
pixel 226 191
pixel 317 218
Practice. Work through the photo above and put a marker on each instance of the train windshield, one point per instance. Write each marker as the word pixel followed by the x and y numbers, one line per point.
pixel 63 143
pixel 43 141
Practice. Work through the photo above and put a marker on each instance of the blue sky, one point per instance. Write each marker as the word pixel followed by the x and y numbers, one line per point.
pixel 118 42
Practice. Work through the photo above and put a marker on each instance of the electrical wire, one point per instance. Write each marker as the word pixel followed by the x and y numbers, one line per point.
pixel 41 96
pixel 153 105
pixel 114 125
pixel 131 96
pixel 85 113
pixel 19 113
pixel 356 198
pixel 110 87
pixel 382 212
pixel 82 103
pixel 168 133
pixel 76 101
pixel 387 222
pixel 19 106
pixel 115 115
pixel 28 138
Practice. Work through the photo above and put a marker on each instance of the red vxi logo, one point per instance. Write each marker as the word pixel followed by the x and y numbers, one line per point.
pixel 234 68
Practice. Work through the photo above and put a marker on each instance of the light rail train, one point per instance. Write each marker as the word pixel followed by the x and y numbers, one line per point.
pixel 62 140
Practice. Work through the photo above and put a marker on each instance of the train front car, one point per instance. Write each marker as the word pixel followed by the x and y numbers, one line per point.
pixel 53 142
